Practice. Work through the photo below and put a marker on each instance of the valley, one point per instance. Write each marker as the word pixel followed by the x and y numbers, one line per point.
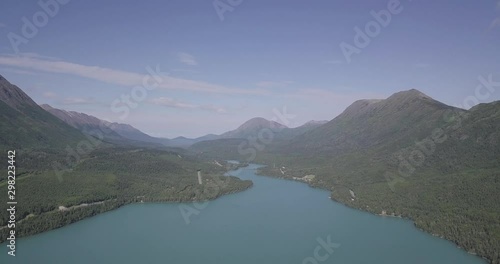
pixel 372 150
pixel 119 172
pixel 243 132
pixel 408 156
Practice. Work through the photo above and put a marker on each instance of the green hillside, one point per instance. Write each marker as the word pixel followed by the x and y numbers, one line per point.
pixel 414 158
pixel 408 156
pixel 112 177
pixel 59 181
pixel 31 127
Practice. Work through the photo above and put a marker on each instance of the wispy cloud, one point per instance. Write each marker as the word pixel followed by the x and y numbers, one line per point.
pixel 274 84
pixel 170 102
pixel 321 103
pixel 173 103
pixel 187 59
pixel 185 70
pixel 49 95
pixel 495 23
pixel 314 93
pixel 117 77
pixel 79 101
pixel 331 97
pixel 213 108
pixel 36 56
pixel 17 71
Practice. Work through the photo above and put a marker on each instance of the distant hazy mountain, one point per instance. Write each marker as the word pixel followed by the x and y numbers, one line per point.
pixel 114 132
pixel 186 142
pixel 226 145
pixel 133 133
pixel 289 133
pixel 23 124
pixel 207 137
pixel 59 166
pixel 252 127
pixel 408 155
pixel 119 132
pixel 314 123
pixel 85 123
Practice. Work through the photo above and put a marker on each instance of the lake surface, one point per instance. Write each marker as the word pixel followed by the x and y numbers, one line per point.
pixel 276 221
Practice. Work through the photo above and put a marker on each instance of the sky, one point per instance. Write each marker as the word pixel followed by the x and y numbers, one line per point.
pixel 211 65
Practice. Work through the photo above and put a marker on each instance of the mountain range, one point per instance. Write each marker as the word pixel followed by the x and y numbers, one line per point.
pixel 407 156
pixel 57 162
pixel 113 132
pixel 402 118
pixel 124 133
pixel 25 125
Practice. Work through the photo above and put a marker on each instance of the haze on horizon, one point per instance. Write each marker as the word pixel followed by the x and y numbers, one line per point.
pixel 260 56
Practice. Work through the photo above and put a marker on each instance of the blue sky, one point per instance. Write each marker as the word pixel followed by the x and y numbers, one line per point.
pixel 263 55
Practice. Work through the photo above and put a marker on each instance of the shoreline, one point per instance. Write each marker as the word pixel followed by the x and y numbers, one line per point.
pixel 100 204
pixel 259 172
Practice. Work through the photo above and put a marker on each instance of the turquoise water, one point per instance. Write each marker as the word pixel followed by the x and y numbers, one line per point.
pixel 276 221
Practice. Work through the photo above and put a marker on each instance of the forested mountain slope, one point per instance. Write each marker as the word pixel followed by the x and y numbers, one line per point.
pixel 409 156
pixel 63 175
pixel 25 125
pixel 112 132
